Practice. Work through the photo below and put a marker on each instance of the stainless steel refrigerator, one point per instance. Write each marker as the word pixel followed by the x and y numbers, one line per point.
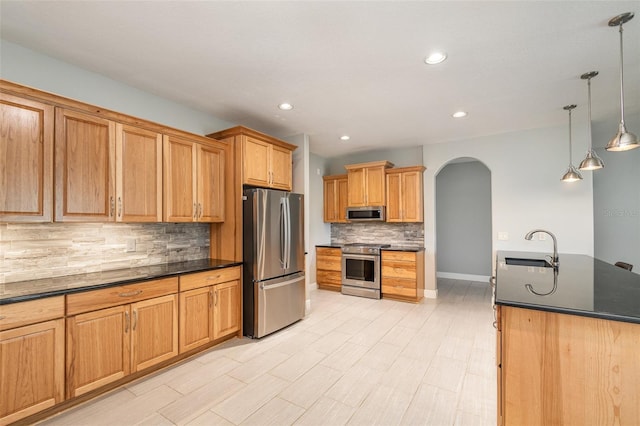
pixel 273 249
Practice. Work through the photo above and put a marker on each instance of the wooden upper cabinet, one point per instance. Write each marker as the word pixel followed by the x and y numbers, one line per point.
pixel 85 167
pixel 211 183
pixel 26 160
pixel 405 194
pixel 179 180
pixel 266 161
pixel 138 174
pixel 367 183
pixel 193 181
pixel 335 198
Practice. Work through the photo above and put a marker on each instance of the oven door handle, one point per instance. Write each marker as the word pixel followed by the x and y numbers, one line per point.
pixel 360 256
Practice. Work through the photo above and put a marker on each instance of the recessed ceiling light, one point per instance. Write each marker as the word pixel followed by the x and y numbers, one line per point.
pixel 459 114
pixel 435 58
pixel 345 137
pixel 285 106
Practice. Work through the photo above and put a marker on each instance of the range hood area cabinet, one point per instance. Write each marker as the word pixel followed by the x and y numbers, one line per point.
pixel 367 184
pixel 405 194
pixel 336 191
pixel 267 162
pixel 108 166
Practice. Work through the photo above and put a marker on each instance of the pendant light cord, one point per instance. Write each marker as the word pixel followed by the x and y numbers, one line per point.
pixel 621 81
pixel 570 159
pixel 590 138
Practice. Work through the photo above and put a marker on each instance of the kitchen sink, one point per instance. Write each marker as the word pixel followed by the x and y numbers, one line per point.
pixel 543 263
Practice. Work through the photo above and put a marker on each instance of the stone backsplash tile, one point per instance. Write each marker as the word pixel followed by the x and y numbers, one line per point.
pixel 32 251
pixel 404 234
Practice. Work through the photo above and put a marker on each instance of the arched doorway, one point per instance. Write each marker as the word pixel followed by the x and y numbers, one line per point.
pixel 463 220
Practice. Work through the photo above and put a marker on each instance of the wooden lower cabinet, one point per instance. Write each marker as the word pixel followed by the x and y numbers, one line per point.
pixel 106 345
pixel 209 307
pixel 561 369
pixel 402 275
pixel 31 369
pixel 329 268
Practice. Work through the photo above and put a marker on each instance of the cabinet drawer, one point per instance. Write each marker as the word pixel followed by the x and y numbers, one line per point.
pixel 119 295
pixel 398 270
pixel 399 287
pixel 329 277
pixel 207 278
pixel 404 256
pixel 329 263
pixel 31 312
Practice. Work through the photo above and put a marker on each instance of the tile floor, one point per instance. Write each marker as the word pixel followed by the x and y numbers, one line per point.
pixel 351 361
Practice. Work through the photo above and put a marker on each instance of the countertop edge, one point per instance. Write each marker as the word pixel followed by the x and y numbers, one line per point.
pixel 570 311
pixel 123 281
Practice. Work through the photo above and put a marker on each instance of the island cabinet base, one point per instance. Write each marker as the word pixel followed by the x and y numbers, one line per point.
pixel 559 369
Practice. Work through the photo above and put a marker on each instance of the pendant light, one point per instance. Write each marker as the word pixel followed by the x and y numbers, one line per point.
pixel 591 161
pixel 623 140
pixel 571 175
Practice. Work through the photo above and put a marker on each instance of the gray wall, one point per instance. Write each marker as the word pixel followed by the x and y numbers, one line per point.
pixel 34 69
pixel 400 157
pixel 320 232
pixel 616 199
pixel 463 219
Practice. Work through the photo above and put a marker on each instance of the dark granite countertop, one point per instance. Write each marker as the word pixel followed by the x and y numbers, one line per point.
pixel 20 291
pixel 329 245
pixel 581 285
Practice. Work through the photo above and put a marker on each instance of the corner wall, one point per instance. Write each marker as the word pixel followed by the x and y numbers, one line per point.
pixel 527 193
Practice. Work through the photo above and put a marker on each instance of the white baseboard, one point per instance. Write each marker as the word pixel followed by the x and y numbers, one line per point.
pixel 431 294
pixel 465 277
pixel 307 306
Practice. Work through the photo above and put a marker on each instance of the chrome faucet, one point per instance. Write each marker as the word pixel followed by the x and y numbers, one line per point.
pixel 554 261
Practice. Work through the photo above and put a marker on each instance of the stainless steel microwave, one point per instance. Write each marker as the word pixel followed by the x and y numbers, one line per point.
pixel 365 214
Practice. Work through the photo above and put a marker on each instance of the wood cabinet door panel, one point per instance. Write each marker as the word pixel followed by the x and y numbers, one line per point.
pixel 412 196
pixel 26 160
pixel 196 318
pixel 399 270
pixel 211 185
pixel 226 309
pixel 255 162
pixel 85 167
pixel 179 180
pixel 154 331
pixel 356 179
pixel 394 197
pixel 329 263
pixel 31 369
pixel 329 277
pixel 375 186
pixel 138 174
pixel 280 168
pixel 399 288
pixel 330 201
pixel 98 349
pixel 342 189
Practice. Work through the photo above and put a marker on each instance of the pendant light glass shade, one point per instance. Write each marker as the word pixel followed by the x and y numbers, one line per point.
pixel 623 140
pixel 591 161
pixel 571 175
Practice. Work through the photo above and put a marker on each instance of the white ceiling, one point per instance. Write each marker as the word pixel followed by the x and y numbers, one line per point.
pixel 351 67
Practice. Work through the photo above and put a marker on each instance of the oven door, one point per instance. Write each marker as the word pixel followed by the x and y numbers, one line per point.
pixel 361 270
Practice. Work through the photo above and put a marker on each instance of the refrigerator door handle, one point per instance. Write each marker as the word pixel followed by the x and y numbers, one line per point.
pixel 283 232
pixel 288 237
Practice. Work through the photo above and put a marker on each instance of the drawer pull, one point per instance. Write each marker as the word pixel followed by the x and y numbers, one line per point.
pixel 214 277
pixel 2 317
pixel 130 293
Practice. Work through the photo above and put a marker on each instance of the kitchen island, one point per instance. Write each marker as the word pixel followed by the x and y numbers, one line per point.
pixel 568 341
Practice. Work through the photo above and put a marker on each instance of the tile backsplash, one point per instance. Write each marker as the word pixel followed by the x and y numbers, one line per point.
pixel 401 234
pixel 32 251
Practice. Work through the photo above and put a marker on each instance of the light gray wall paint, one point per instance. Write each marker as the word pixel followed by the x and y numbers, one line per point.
pixel 463 219
pixel 616 198
pixel 526 191
pixel 320 232
pixel 400 157
pixel 34 69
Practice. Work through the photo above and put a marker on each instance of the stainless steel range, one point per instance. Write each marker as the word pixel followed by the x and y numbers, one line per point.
pixel 361 269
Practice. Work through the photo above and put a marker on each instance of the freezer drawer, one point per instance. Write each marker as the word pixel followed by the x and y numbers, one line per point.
pixel 280 302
